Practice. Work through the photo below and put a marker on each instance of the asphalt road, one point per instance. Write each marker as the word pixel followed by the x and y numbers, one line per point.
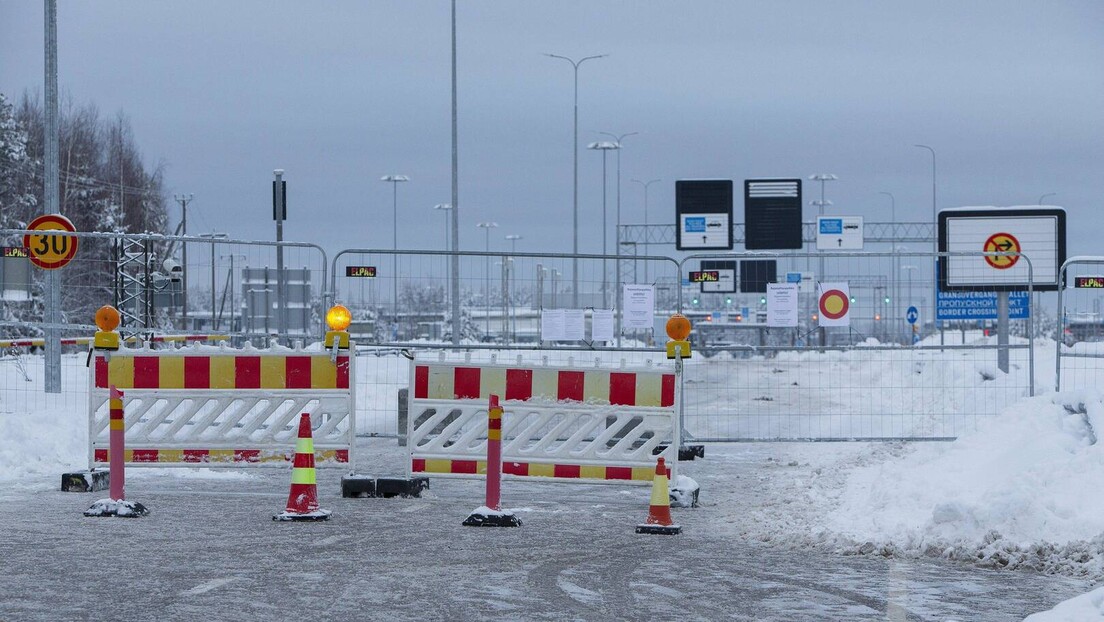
pixel 209 550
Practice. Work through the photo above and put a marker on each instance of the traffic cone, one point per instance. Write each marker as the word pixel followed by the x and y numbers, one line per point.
pixel 659 510
pixel 302 503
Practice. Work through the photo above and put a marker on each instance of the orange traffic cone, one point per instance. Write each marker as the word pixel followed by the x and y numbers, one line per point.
pixel 659 510
pixel 302 503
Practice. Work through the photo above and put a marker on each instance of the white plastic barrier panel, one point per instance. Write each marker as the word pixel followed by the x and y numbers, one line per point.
pixel 566 423
pixel 219 406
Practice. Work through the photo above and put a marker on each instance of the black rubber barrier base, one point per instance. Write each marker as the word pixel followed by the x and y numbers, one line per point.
pixel 666 530
pixel 122 509
pixel 477 519
pixel 315 516
pixel 85 481
pixel 686 452
pixel 366 486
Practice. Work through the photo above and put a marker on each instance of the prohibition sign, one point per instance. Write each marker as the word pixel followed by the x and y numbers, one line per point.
pixel 834 304
pixel 48 251
pixel 1002 243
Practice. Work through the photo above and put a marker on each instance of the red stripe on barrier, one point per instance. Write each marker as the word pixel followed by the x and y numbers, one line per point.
pixel 570 386
pixel 622 389
pixel 247 455
pixel 421 382
pixel 144 455
pixel 464 466
pixel 101 455
pixel 146 372
pixel 417 465
pixel 197 372
pixel 618 472
pixel 341 455
pixel 247 372
pixel 196 455
pixel 667 394
pixel 101 372
pixel 466 383
pixel 516 468
pixel 519 384
pixel 297 372
pixel 343 372
pixel 566 470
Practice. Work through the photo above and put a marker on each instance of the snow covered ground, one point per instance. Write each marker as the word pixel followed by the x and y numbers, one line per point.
pixel 1018 495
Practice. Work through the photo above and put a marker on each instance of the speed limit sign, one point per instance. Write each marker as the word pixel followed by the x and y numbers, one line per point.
pixel 50 251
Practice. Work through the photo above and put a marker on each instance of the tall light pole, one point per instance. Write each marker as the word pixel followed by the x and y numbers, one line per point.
pixel 454 285
pixel 232 256
pixel 575 156
pixel 213 236
pixel 513 238
pixel 487 226
pixel 184 200
pixel 821 204
pixel 935 238
pixel 617 141
pixel 395 180
pixel 446 209
pixel 645 184
pixel 1049 194
pixel 604 147
pixel 893 233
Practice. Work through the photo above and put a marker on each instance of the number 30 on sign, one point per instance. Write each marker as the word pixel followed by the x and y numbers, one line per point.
pixel 47 250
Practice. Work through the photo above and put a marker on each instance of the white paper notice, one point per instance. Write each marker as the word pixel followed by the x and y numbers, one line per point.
pixel 552 325
pixel 601 325
pixel 639 303
pixel 782 304
pixel 574 324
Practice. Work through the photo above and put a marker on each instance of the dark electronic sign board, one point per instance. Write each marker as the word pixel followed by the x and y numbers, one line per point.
pixel 756 273
pixel 772 214
pixel 703 214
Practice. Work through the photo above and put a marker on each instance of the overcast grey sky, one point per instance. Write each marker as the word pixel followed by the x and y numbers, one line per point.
pixel 1009 93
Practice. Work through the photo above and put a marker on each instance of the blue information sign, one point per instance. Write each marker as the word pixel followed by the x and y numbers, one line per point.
pixel 979 306
pixel 831 226
pixel 912 315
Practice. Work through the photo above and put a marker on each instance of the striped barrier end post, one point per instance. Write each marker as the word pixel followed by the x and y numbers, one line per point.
pixel 491 514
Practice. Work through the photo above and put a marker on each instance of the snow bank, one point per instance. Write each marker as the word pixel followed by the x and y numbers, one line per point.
pixel 1083 608
pixel 1018 492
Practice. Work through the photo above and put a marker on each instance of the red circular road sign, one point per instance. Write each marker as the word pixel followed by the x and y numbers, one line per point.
pixel 1002 243
pixel 49 251
pixel 834 304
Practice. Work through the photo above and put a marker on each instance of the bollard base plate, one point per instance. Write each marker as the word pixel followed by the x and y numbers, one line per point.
pixel 317 515
pixel 484 516
pixel 122 509
pixel 666 530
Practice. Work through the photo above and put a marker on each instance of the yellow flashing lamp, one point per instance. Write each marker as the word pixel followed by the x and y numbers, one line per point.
pixel 107 320
pixel 678 329
pixel 338 319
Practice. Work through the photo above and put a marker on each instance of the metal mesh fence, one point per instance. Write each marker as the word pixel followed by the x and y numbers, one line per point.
pixel 1079 359
pixel 404 296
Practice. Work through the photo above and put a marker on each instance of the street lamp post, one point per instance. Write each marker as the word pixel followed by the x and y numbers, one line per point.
pixel 604 147
pixel 935 239
pixel 821 204
pixel 645 184
pixel 184 199
pixel 893 235
pixel 446 209
pixel 213 236
pixel 231 257
pixel 617 235
pixel 395 180
pixel 909 270
pixel 575 155
pixel 487 226
pixel 513 238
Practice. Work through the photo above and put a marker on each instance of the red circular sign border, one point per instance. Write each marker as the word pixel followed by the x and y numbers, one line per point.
pixel 826 313
pixel 989 258
pixel 66 224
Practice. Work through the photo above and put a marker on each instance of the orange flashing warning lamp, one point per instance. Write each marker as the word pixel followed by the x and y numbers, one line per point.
pixel 678 330
pixel 107 320
pixel 338 319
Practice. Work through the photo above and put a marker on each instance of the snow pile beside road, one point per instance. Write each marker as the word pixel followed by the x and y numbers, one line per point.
pixel 1083 608
pixel 1018 492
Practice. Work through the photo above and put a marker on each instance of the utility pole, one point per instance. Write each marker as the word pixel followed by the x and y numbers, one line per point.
pixel 52 359
pixel 279 212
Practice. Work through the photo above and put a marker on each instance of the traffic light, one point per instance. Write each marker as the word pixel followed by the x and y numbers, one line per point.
pixel 887 299
pixel 728 300
pixel 739 317
pixel 852 300
pixel 694 300
pixel 877 317
pixel 762 300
